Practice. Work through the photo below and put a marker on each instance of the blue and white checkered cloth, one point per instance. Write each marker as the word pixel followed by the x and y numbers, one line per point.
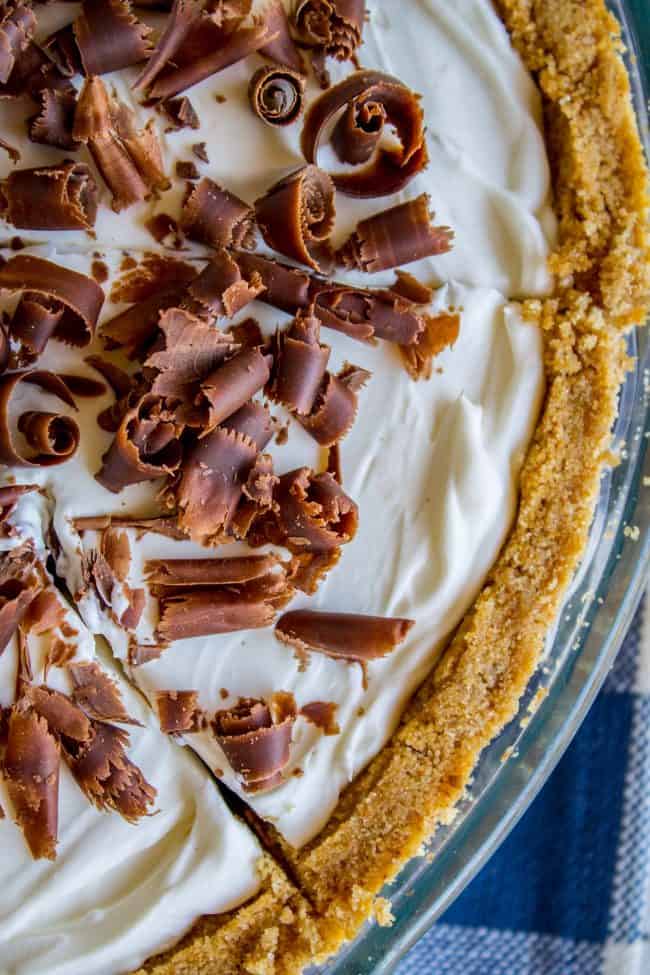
pixel 568 893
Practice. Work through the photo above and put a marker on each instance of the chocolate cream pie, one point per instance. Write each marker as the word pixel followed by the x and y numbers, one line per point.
pixel 313 324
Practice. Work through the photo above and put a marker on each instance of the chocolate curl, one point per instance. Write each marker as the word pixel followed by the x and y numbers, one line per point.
pixel 158 525
pixel 184 15
pixel 232 384
pixel 34 321
pixel 31 770
pixel 296 216
pixel 81 297
pixel 313 514
pixel 276 95
pixel 134 329
pixel 247 334
pixel 33 71
pixel 358 132
pixel 45 613
pixel 146 446
pixel 52 124
pixel 322 714
pixel 391 168
pixel 97 694
pixel 207 49
pixel 62 715
pixel 83 386
pixel 187 613
pixel 211 484
pixel 60 197
pixel 334 26
pixel 173 573
pixel 301 363
pixel 255 738
pixel 257 496
pixel 10 495
pixel 109 37
pixel 130 161
pixel 106 775
pixel 178 711
pixel 190 349
pixel 440 331
pixel 344 636
pixel 61 48
pixel 55 437
pixel 17 25
pixel 397 236
pixel 221 288
pixel 119 380
pixel 50 434
pixel 335 408
pixel 281 49
pixel 254 422
pixel 365 315
pixel 285 287
pixel 19 586
pixel 214 216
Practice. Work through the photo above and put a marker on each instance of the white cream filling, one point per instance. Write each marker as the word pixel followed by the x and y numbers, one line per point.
pixel 433 467
pixel 116 892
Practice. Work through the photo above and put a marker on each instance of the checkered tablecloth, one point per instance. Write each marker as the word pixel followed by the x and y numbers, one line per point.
pixel 568 893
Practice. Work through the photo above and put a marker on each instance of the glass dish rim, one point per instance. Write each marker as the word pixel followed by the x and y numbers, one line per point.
pixel 589 635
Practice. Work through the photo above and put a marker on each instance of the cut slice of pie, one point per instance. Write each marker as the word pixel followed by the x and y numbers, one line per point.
pixel 301 430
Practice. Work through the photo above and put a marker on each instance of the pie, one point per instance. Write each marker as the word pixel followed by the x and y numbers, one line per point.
pixel 313 326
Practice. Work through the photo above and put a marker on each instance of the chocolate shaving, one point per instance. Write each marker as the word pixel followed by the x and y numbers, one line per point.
pixel 50 434
pixel 440 331
pixel 335 407
pixel 214 216
pixel 17 25
pixel 365 315
pixel 135 329
pixel 313 514
pixel 81 297
pixel 12 152
pixel 63 716
pixel 396 236
pixel 97 694
pixel 60 197
pixel 33 72
pixel 178 711
pixel 205 50
pixel 333 27
pixel 34 321
pixel 322 714
pixel 287 288
pixel 142 526
pixel 247 334
pixel 391 168
pixel 186 169
pixel 109 37
pixel 55 437
pixel 344 636
pixel 255 737
pixel 151 275
pixel 61 48
pixel 232 384
pixel 190 350
pixel 52 125
pixel 296 216
pixel 300 364
pixel 19 586
pixel 31 770
pixel 116 550
pixel 129 160
pixel 45 613
pixel 146 446
pixel 10 495
pixel 175 573
pixel 200 151
pixel 184 15
pixel 221 288
pixel 181 114
pixel 83 386
pixel 276 94
pixel 141 653
pixel 106 775
pixel 281 49
pixel 308 570
pixel 358 132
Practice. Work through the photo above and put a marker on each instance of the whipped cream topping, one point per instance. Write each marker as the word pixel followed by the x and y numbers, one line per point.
pixel 432 465
pixel 117 892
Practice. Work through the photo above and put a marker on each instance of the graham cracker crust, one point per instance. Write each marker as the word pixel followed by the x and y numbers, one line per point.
pixel 315 898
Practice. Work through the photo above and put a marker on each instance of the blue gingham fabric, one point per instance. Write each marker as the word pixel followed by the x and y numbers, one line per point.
pixel 568 892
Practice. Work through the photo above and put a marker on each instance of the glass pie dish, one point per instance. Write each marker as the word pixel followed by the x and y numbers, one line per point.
pixel 579 654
